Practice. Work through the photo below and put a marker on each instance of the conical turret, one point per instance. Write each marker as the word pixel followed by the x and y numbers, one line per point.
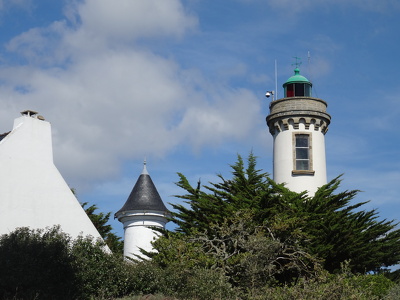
pixel 142 210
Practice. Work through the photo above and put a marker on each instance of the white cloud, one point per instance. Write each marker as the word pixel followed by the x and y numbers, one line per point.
pixel 230 115
pixel 127 20
pixel 110 100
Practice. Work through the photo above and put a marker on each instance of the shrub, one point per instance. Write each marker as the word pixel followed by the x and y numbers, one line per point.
pixel 146 278
pixel 332 287
pixel 197 284
pixel 393 293
pixel 99 274
pixel 36 264
pixel 48 264
pixel 179 281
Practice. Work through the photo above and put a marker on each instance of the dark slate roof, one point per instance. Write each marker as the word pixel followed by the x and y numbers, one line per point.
pixel 144 196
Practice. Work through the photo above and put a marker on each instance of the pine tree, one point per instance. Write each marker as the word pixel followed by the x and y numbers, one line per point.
pixel 100 221
pixel 330 225
pixel 248 189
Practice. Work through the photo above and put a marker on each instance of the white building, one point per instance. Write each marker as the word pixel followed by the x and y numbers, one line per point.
pixel 32 191
pixel 298 123
pixel 143 209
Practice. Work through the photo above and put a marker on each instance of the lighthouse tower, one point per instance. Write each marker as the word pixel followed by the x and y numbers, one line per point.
pixel 298 123
pixel 143 209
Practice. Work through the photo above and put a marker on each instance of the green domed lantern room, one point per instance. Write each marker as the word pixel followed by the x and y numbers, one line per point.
pixel 297 86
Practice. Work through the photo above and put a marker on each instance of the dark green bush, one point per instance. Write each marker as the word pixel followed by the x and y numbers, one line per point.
pixel 333 287
pixel 197 284
pixel 36 265
pixel 147 278
pixel 99 274
pixel 378 285
pixel 47 264
pixel 180 282
pixel 393 293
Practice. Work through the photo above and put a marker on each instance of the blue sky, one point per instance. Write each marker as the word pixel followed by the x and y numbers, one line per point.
pixel 182 83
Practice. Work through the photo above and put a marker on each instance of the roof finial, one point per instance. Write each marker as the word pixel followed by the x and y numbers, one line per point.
pixel 144 167
pixel 298 62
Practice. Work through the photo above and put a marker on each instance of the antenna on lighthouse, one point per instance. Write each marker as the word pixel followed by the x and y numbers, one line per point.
pixel 276 80
pixel 309 71
pixel 308 65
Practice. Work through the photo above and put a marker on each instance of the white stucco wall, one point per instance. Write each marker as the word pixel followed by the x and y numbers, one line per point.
pixel 138 233
pixel 32 190
pixel 283 160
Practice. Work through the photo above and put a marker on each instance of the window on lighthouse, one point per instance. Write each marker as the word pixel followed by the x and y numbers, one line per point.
pixel 302 152
pixel 298 90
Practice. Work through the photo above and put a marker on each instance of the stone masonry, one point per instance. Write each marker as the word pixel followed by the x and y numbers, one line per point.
pixel 294 110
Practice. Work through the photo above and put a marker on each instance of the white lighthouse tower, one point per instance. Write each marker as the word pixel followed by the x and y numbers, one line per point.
pixel 298 123
pixel 143 209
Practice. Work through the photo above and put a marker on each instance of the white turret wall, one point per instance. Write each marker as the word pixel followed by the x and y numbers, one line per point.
pixel 138 232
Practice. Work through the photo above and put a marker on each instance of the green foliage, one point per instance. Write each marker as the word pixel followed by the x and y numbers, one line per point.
pixel 343 285
pixel 147 278
pixel 335 287
pixel 340 231
pixel 250 256
pixel 197 283
pixel 327 227
pixel 148 297
pixel 175 280
pixel 100 221
pixel 47 264
pixel 181 251
pixel 36 265
pixel 248 189
pixel 393 293
pixel 377 285
pixel 99 273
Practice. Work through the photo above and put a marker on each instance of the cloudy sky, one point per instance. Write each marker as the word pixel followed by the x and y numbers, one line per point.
pixel 182 83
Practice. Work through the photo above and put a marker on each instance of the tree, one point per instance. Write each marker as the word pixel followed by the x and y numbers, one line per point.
pixel 248 189
pixel 327 225
pixel 100 221
pixel 341 231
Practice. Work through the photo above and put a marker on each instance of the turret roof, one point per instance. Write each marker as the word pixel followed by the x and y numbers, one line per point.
pixel 297 78
pixel 144 195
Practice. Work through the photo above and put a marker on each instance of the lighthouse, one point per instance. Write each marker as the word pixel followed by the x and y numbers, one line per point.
pixel 143 211
pixel 298 123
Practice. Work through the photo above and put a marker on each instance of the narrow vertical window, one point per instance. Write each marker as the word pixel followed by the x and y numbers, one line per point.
pixel 302 152
pixel 299 89
pixel 307 90
pixel 290 90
